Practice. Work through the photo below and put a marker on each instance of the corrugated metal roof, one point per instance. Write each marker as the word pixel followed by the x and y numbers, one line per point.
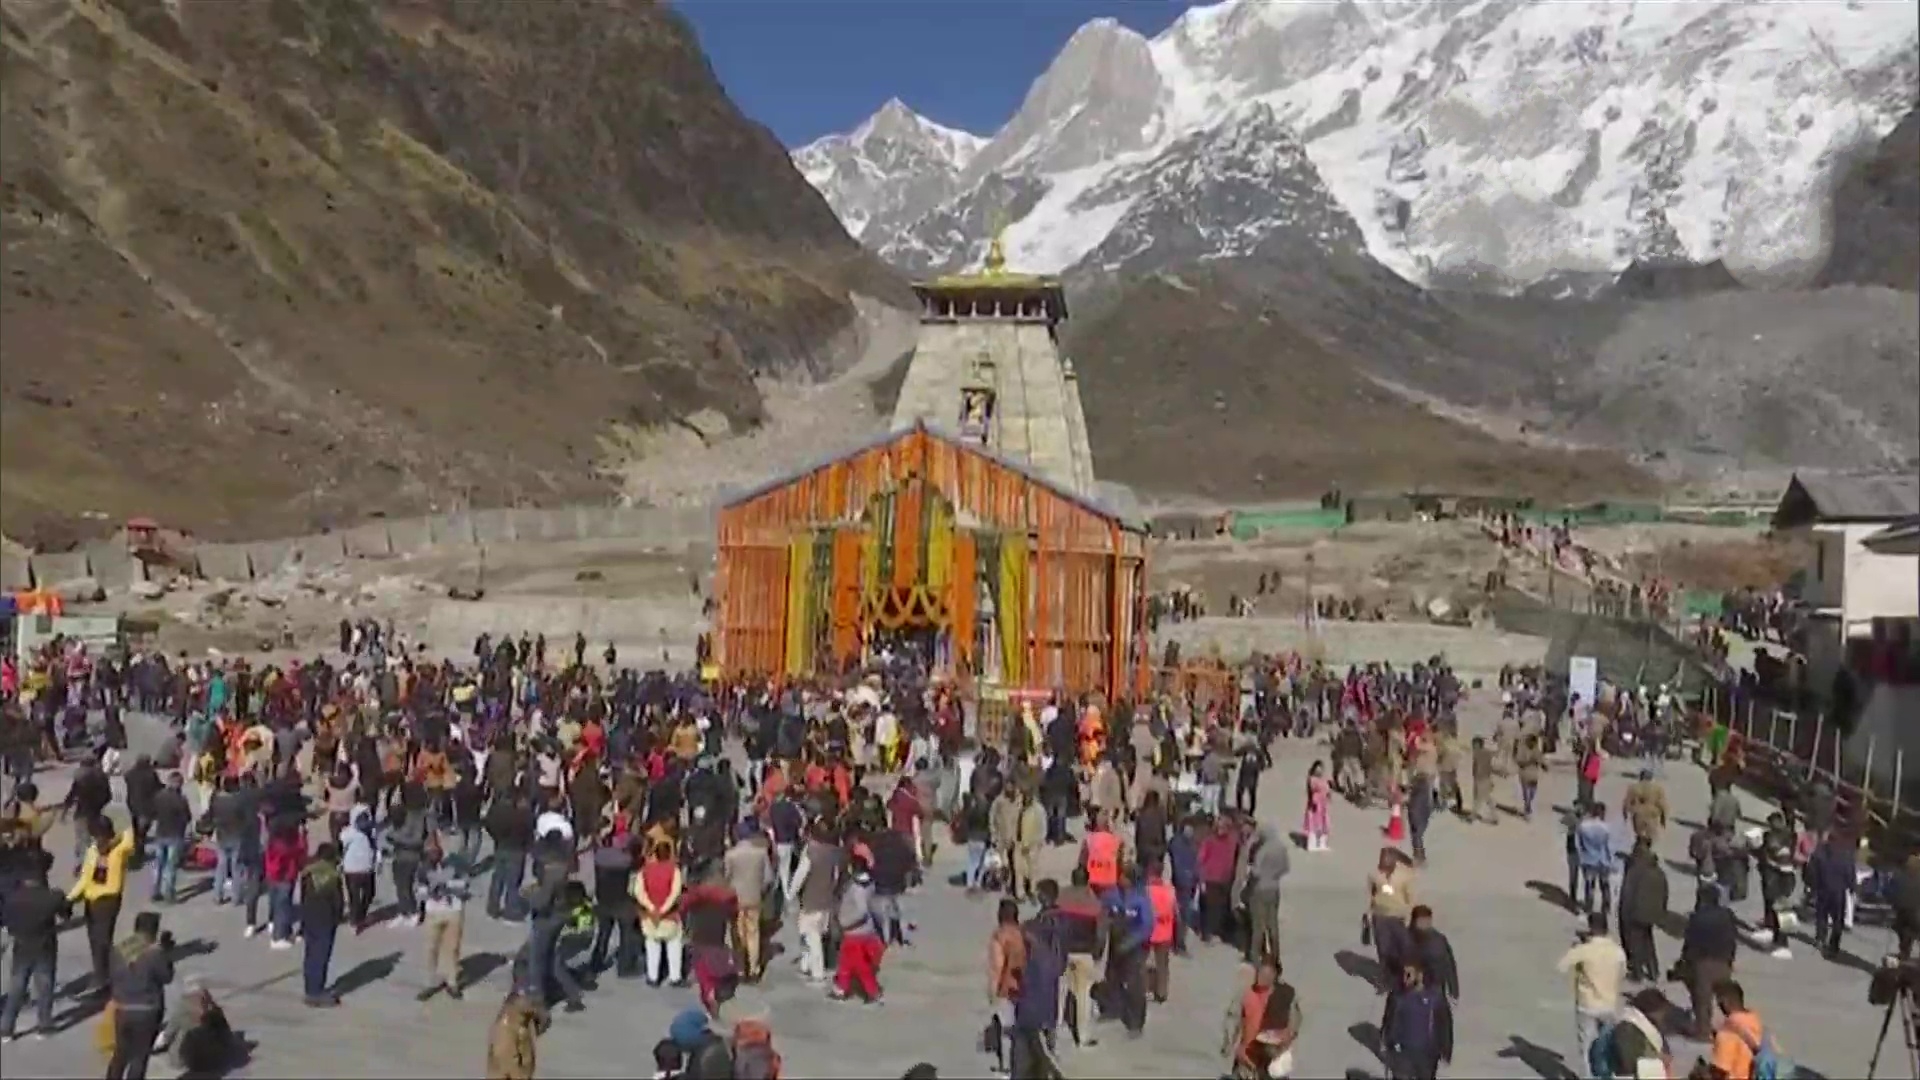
pixel 920 425
pixel 1836 497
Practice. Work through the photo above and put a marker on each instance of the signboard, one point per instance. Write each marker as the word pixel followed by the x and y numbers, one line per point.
pixel 99 633
pixel 1583 679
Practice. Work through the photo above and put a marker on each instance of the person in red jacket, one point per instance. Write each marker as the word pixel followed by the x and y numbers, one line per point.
pixel 286 856
pixel 1214 864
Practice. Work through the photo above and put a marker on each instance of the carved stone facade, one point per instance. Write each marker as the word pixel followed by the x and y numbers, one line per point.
pixel 988 370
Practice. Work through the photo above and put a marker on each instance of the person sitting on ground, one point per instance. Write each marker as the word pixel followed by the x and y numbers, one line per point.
pixel 201 1039
pixel 668 1061
pixel 512 1046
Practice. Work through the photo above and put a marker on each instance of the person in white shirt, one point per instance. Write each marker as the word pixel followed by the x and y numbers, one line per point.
pixel 551 823
pixel 1599 965
pixel 886 737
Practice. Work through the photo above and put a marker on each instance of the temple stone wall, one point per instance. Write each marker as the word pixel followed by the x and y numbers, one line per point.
pixel 1038 421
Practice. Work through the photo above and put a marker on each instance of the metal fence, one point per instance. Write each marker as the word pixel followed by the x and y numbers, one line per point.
pixel 1786 751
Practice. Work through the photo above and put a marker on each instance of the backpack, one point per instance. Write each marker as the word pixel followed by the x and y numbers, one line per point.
pixel 1600 1053
pixel 1046 957
pixel 1766 1060
pixel 754 1057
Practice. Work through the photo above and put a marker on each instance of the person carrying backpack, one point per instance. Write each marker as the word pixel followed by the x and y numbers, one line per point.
pixel 1634 1045
pixel 726 1040
pixel 1036 1001
pixel 1743 1049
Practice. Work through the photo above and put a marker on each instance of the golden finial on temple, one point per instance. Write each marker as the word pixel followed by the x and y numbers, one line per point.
pixel 997 252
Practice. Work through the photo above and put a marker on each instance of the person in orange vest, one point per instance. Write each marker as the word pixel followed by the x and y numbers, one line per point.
pixel 1093 736
pixel 1166 923
pixel 1101 855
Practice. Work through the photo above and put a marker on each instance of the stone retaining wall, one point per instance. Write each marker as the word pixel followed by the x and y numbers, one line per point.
pixel 1627 651
pixel 59 567
pixel 16 573
pixel 670 529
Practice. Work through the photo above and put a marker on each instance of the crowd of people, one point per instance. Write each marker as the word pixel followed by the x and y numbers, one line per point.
pixel 653 827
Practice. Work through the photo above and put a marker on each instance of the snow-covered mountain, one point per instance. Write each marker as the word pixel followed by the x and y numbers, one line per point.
pixel 1501 138
pixel 890 169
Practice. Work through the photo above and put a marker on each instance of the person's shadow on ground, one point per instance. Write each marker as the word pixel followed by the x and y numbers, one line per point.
pixel 1364 968
pixel 1546 1064
pixel 1367 1034
pixel 1552 894
pixel 366 973
pixel 475 968
pixel 194 948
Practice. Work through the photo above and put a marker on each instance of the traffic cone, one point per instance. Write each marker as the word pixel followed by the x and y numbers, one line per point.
pixel 1396 823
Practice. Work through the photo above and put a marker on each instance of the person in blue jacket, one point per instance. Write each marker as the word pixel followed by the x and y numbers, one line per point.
pixel 1417 1031
pixel 1183 856
pixel 1130 917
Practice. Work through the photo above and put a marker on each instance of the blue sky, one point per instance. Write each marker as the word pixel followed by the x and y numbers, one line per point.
pixel 809 67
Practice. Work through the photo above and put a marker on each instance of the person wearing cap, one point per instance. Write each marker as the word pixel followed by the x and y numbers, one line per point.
pixel 1598 965
pixel 1645 807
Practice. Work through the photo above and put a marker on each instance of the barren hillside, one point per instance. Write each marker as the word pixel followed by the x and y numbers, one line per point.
pixel 288 262
pixel 1876 216
pixel 1194 386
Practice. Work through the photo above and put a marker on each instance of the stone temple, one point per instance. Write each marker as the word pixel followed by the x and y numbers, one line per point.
pixel 989 370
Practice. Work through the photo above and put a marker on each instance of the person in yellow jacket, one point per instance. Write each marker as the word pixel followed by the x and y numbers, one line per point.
pixel 102 883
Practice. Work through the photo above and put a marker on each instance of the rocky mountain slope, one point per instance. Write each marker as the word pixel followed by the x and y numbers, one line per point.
pixel 1250 401
pixel 1500 139
pixel 1876 215
pixel 277 264
pixel 1674 366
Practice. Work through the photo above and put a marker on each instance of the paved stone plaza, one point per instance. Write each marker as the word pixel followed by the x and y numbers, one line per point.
pixel 1515 1019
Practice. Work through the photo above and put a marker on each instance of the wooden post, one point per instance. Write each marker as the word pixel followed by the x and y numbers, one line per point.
pixel 1773 728
pixel 1793 729
pixel 1899 768
pixel 1749 735
pixel 1813 755
pixel 1866 775
pixel 1837 740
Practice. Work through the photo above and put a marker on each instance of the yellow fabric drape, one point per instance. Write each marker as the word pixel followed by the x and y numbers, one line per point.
pixel 939 547
pixel 799 625
pixel 1011 613
pixel 909 502
pixel 870 556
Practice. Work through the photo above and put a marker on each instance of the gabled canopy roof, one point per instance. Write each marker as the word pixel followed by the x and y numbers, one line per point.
pixel 1085 502
pixel 1858 499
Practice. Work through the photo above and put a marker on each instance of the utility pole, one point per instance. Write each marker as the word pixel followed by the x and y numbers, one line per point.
pixel 1306 607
